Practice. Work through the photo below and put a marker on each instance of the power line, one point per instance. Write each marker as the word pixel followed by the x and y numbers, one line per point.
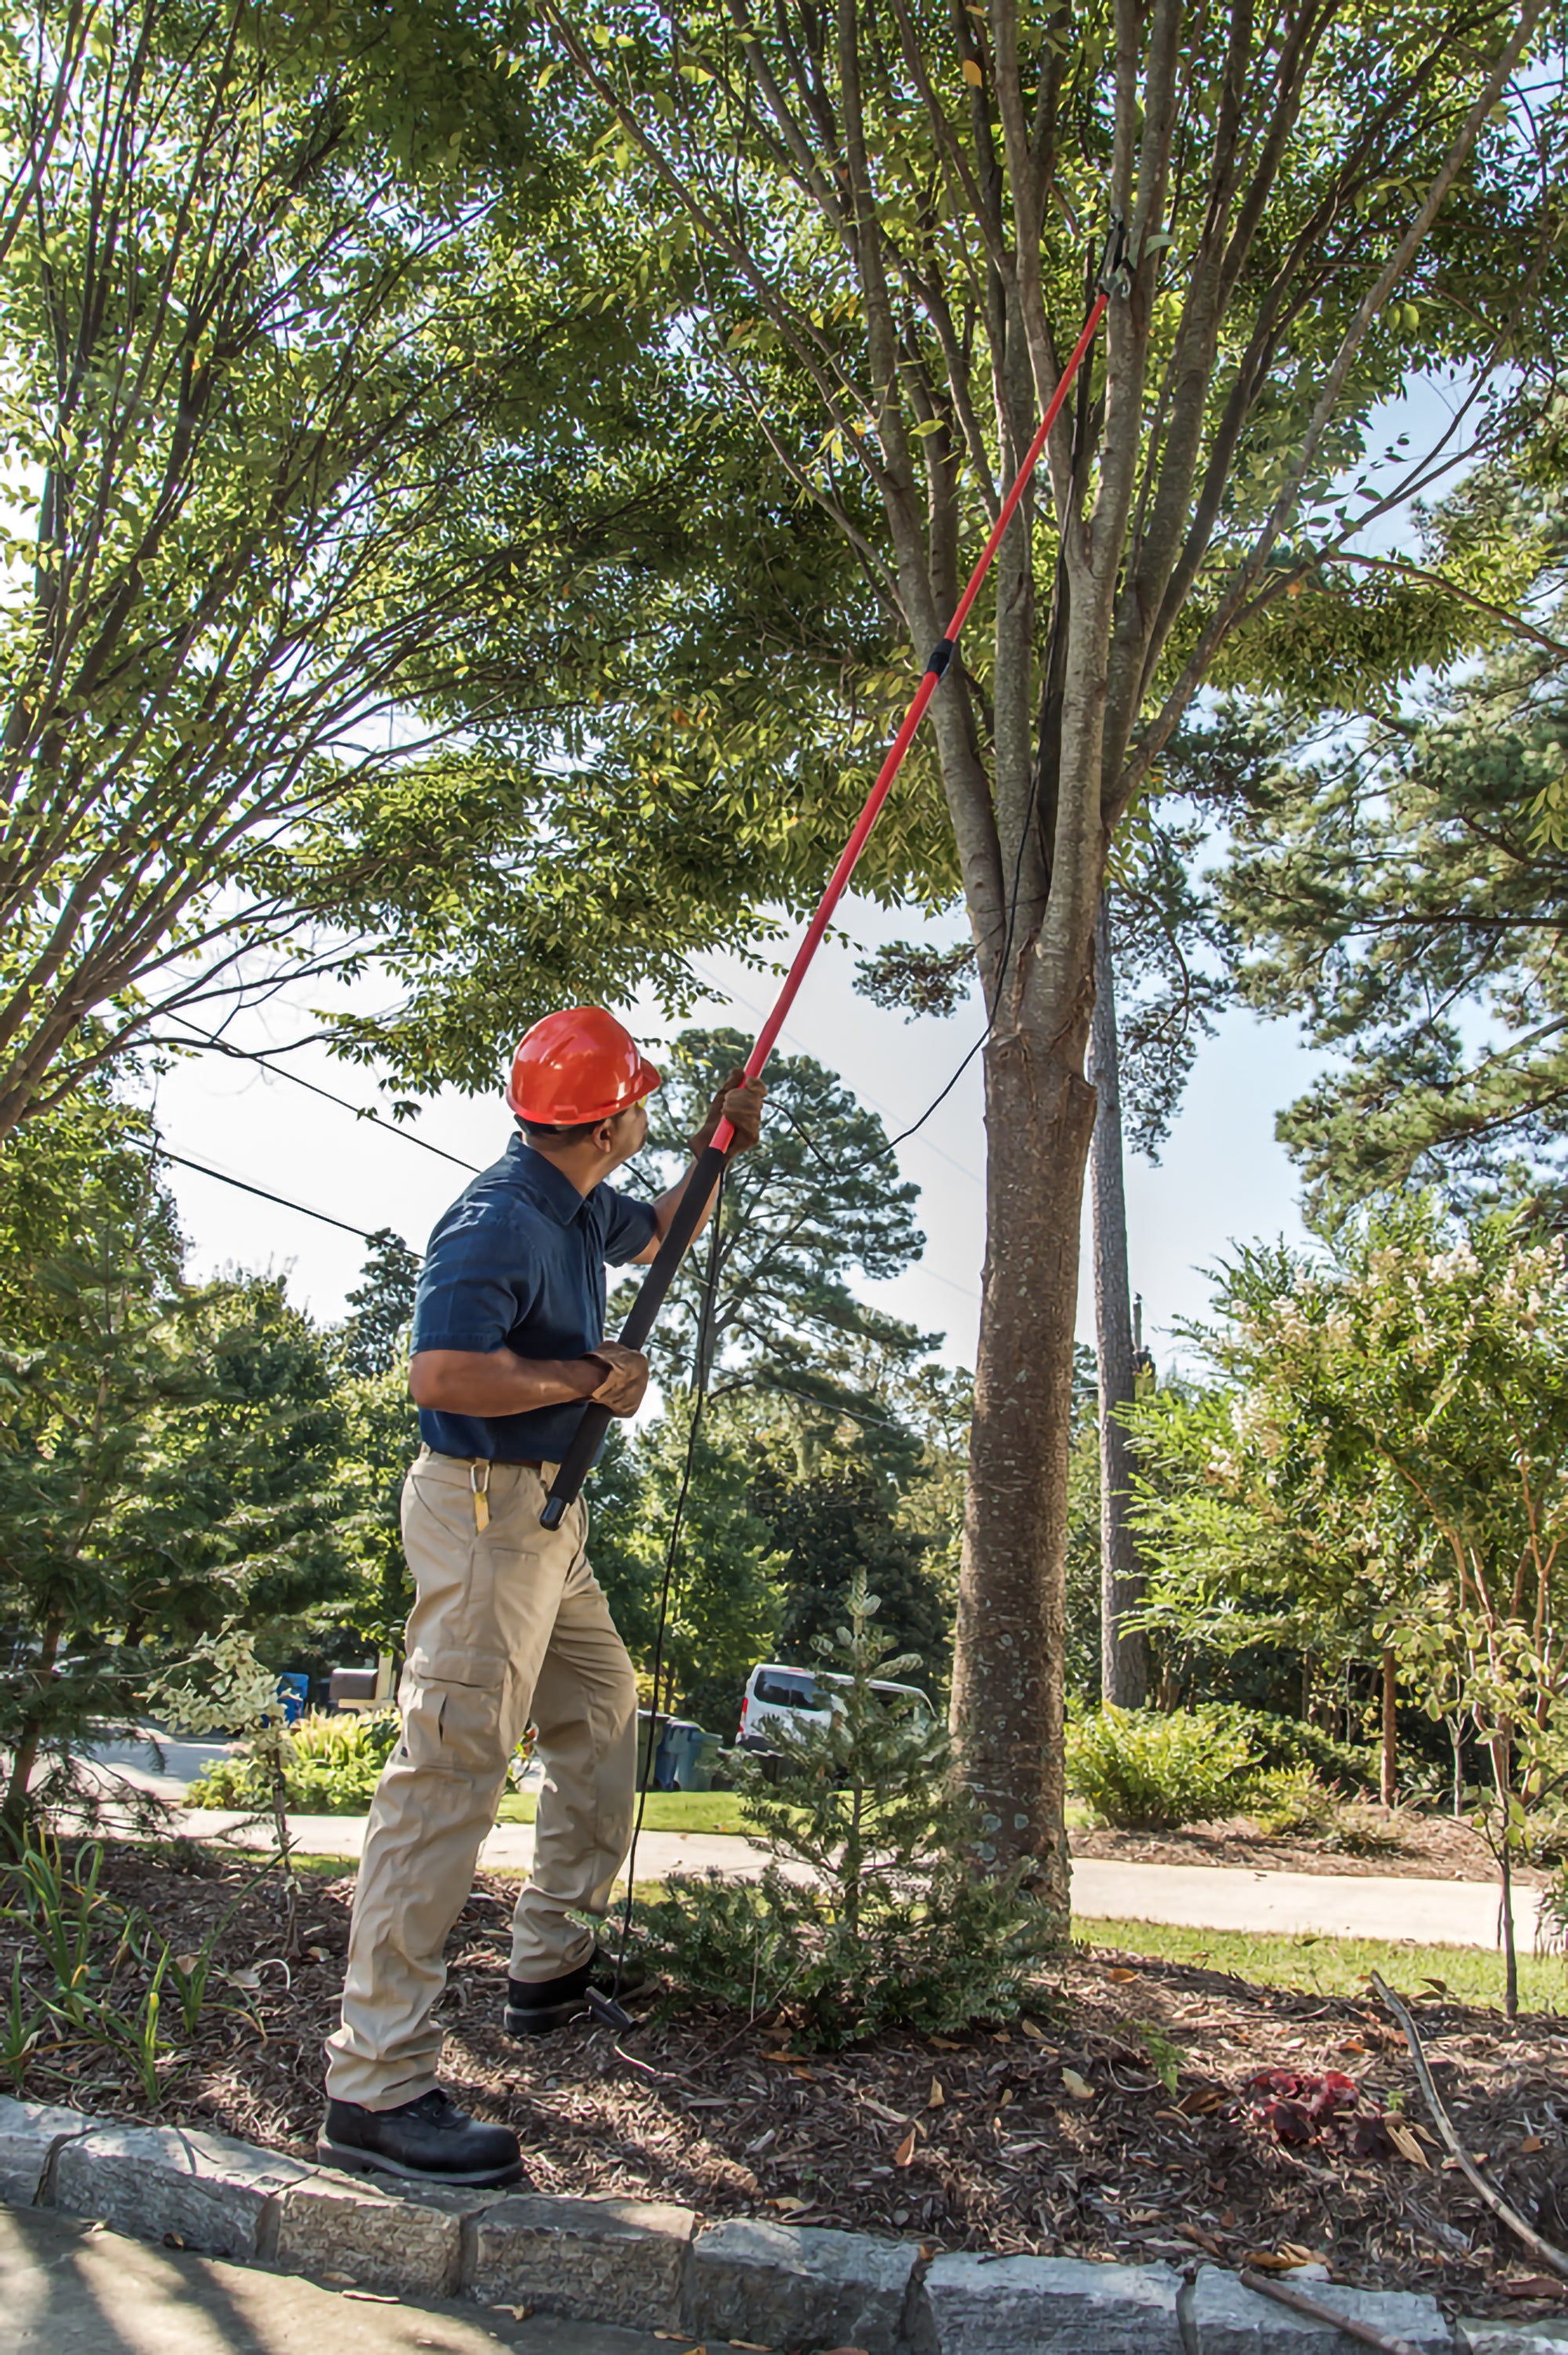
pixel 734 997
pixel 360 1112
pixel 283 1200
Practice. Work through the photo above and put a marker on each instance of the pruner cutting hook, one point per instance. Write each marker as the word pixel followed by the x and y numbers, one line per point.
pixel 1116 264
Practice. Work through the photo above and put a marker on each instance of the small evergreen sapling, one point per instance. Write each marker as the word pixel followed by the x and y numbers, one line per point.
pixel 871 1913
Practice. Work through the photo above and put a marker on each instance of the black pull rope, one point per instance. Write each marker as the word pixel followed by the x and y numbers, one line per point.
pixel 608 2009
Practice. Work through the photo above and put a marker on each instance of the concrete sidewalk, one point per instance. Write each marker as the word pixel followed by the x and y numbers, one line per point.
pixel 509 1848
pixel 70 2289
pixel 1199 1897
pixel 1327 1906
pixel 1188 1896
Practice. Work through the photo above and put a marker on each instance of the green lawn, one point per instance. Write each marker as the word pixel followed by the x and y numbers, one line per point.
pixel 666 1811
pixel 1339 1965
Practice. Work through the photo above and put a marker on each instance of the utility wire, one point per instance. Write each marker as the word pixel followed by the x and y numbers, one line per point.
pixel 360 1112
pixel 734 997
pixel 223 1177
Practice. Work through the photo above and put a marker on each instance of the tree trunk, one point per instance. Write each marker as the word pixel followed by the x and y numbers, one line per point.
pixel 1007 1712
pixel 1389 1774
pixel 24 1757
pixel 1502 1751
pixel 1124 1657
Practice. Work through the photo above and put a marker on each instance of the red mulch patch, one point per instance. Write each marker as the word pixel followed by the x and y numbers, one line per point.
pixel 1055 2135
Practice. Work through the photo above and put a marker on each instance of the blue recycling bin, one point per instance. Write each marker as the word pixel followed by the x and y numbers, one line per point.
pixel 293 1692
pixel 682 1736
pixel 696 1769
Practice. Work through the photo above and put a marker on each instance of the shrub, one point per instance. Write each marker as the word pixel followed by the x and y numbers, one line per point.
pixel 1142 1771
pixel 332 1766
pixel 1289 1802
pixel 898 1924
pixel 1294 1741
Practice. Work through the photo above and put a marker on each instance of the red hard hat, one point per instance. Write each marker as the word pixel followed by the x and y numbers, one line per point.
pixel 579 1065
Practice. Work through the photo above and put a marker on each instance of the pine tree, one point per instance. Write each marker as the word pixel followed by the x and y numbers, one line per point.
pixel 889 1922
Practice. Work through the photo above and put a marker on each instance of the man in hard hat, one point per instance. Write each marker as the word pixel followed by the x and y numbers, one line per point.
pixel 509 1623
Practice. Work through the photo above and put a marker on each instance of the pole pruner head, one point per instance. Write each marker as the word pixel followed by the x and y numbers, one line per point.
pixel 1115 263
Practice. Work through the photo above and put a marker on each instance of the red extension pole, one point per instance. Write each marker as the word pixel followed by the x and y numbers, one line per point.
pixel 595 1421
pixel 766 1038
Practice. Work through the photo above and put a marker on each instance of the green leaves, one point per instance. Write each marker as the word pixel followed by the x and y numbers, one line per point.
pixel 1390 1464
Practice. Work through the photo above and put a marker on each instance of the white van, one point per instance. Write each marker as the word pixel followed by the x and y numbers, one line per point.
pixel 778 1695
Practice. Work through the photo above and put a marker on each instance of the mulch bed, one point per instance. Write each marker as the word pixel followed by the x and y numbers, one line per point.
pixel 1055 2136
pixel 1426 1847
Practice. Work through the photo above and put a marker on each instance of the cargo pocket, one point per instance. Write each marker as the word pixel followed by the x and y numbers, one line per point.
pixel 451 1717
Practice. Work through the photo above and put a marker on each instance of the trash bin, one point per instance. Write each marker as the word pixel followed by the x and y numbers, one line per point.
pixel 294 1692
pixel 651 1733
pixel 352 1688
pixel 696 1771
pixel 670 1762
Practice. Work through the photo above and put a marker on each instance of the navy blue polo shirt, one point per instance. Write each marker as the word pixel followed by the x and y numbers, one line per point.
pixel 518 1264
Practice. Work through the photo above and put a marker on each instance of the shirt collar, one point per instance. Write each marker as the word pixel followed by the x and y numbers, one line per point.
pixel 547 1186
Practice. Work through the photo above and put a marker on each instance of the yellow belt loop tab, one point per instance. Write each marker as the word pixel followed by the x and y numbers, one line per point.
pixel 480 1491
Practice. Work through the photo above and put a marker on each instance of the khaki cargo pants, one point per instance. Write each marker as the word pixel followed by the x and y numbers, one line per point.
pixel 509 1625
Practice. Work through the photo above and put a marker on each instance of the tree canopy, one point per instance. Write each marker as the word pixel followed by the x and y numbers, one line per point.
pixel 365 516
pixel 1397 876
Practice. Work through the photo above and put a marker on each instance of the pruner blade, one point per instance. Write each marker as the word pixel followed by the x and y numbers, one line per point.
pixel 1116 264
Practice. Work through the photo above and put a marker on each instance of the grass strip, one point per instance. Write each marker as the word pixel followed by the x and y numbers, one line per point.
pixel 1329 1965
pixel 667 1811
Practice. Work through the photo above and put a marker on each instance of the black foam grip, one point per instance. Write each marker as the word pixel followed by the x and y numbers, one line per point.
pixel 588 1437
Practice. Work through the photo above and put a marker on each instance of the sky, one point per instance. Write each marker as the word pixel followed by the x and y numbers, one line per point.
pixel 1222 1177
pixel 1222 1174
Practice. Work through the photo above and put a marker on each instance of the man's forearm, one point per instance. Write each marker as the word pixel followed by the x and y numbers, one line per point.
pixel 498 1382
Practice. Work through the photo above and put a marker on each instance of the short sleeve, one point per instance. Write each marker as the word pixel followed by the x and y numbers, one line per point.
pixel 629 1226
pixel 479 1282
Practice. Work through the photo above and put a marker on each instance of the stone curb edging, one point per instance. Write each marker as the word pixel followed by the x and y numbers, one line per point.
pixel 648 2266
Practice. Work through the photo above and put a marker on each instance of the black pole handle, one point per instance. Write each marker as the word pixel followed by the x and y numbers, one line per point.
pixel 577 1462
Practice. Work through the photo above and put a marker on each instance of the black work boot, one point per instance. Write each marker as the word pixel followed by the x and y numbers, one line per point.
pixel 538 2006
pixel 429 2141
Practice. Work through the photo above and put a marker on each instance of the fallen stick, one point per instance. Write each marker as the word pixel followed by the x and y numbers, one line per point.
pixel 1316 2311
pixel 1482 2184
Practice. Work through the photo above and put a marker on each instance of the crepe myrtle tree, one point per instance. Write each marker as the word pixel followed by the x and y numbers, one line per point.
pixel 891 203
pixel 1392 1465
pixel 338 500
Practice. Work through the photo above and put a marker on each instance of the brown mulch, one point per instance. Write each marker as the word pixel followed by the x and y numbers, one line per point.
pixel 983 2142
pixel 1424 1847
